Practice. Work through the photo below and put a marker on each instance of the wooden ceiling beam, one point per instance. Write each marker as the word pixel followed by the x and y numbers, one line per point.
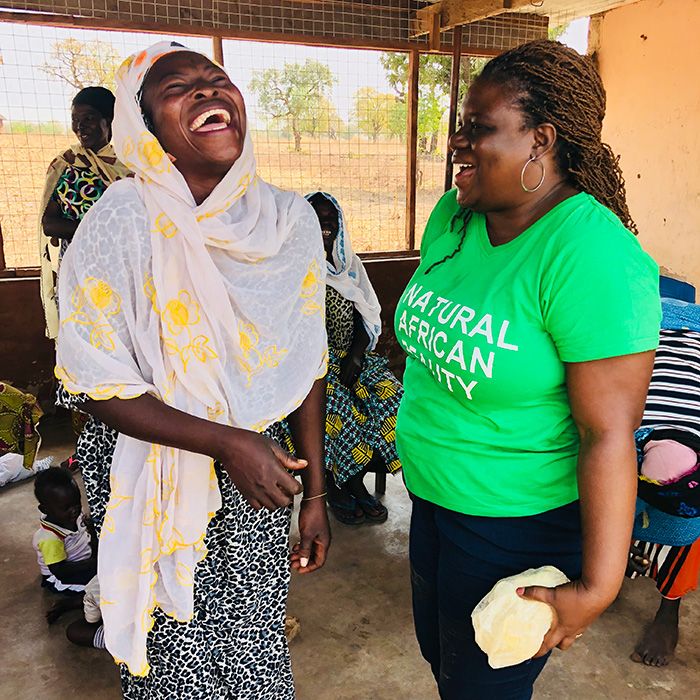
pixel 454 13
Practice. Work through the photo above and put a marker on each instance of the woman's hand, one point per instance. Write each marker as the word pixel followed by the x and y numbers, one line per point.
pixel 574 607
pixel 638 563
pixel 350 368
pixel 307 428
pixel 55 225
pixel 256 465
pixel 310 552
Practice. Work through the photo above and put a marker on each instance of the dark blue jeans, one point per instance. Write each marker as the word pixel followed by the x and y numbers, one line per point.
pixel 455 561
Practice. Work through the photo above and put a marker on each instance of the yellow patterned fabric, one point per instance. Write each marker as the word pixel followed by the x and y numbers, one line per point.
pixel 19 416
pixel 98 163
pixel 217 310
pixel 360 420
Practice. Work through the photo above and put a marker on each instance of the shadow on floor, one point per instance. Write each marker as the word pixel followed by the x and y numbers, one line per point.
pixel 356 640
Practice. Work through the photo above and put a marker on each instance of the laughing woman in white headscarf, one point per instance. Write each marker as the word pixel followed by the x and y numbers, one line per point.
pixel 362 395
pixel 191 324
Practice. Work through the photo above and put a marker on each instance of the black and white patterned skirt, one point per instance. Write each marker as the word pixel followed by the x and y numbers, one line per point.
pixel 234 646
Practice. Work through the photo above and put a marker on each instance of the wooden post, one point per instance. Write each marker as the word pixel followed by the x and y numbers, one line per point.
pixel 454 101
pixel 2 250
pixel 218 47
pixel 434 36
pixel 412 149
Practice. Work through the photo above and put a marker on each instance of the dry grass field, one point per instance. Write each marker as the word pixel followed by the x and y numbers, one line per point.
pixel 23 162
pixel 368 178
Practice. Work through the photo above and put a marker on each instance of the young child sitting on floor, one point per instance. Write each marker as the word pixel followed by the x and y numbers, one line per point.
pixel 65 542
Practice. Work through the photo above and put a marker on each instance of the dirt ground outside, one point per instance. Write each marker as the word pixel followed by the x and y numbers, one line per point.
pixel 368 179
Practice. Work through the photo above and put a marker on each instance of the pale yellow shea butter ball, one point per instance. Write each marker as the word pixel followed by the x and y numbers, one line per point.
pixel 508 628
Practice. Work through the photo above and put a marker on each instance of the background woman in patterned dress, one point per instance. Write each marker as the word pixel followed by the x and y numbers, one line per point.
pixel 191 307
pixel 75 180
pixel 362 395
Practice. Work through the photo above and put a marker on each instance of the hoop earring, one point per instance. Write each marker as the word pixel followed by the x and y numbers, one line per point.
pixel 522 174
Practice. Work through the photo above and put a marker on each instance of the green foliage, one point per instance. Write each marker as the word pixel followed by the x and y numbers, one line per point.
pixel 434 74
pixel 323 120
pixel 372 111
pixel 397 120
pixel 555 32
pixel 54 128
pixel 295 94
pixel 83 63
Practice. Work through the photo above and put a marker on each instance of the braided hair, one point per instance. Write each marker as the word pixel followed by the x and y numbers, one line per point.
pixel 463 216
pixel 554 84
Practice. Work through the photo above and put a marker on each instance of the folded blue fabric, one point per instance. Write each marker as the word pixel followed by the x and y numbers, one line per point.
pixel 663 528
pixel 680 315
pixel 669 287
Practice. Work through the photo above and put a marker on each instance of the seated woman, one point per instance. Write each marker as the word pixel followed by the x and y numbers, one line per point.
pixel 75 180
pixel 665 547
pixel 362 395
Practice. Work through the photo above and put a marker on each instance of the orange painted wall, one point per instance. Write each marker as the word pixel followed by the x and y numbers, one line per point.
pixel 649 60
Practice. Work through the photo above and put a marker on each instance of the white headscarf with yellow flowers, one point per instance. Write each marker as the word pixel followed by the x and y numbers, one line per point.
pixel 217 310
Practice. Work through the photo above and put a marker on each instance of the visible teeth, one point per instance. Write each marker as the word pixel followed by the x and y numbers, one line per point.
pixel 326 232
pixel 199 121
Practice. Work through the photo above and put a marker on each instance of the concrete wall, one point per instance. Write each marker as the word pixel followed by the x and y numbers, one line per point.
pixel 27 356
pixel 389 278
pixel 648 58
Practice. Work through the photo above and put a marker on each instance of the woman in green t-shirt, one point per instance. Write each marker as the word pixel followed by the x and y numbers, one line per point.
pixel 530 326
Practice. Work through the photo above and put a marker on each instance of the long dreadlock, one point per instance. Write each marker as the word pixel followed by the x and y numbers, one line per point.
pixel 463 216
pixel 554 84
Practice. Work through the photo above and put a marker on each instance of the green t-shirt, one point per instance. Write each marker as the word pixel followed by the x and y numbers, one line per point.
pixel 485 427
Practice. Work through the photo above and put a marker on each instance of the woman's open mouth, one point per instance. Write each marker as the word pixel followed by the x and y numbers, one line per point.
pixel 464 172
pixel 211 120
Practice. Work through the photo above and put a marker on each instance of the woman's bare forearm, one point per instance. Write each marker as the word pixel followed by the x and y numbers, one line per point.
pixel 607 402
pixel 607 482
pixel 148 419
pixel 308 426
pixel 258 466
pixel 64 229
pixel 55 225
pixel 360 339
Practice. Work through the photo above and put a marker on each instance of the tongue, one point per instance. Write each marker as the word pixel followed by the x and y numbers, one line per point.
pixel 211 126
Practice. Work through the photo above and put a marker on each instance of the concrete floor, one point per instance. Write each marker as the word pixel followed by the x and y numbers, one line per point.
pixel 356 640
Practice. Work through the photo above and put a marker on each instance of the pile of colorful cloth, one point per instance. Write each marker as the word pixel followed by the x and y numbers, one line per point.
pixel 19 416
